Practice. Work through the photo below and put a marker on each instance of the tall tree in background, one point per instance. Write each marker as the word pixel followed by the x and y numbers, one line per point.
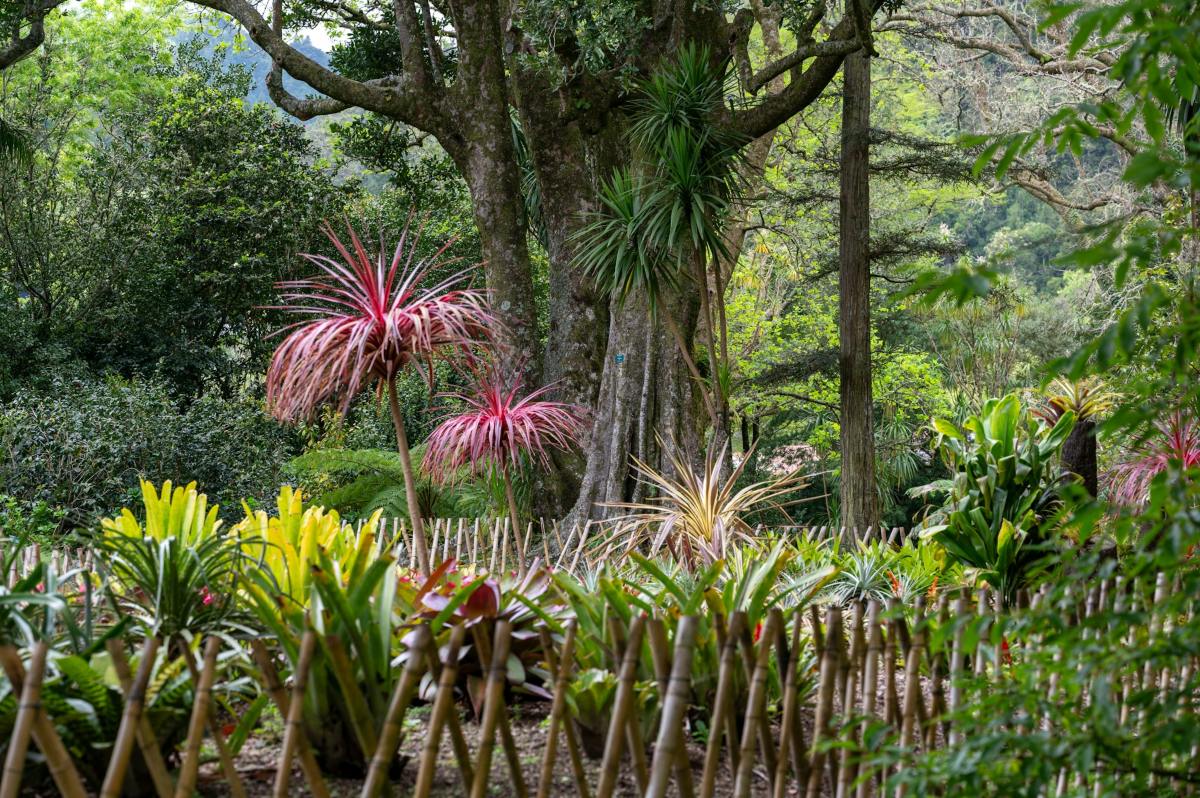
pixel 859 500
pixel 22 31
pixel 454 69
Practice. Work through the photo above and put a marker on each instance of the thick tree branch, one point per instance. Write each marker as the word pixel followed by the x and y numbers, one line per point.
pixel 398 97
pixel 804 87
pixel 18 46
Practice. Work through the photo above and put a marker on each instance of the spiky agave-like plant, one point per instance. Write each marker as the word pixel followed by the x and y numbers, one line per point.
pixel 500 429
pixel 366 319
pixel 696 515
pixel 1177 441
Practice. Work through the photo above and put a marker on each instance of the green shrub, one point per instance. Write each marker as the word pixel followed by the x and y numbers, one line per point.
pixel 998 518
pixel 82 446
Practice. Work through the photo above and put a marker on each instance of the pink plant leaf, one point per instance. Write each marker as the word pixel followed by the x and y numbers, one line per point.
pixel 1178 440
pixel 499 427
pixel 366 319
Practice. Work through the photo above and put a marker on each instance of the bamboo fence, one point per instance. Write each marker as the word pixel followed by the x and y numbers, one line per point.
pixel 793 704
pixel 490 544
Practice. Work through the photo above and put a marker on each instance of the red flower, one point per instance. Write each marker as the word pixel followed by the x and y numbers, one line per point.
pixel 206 596
pixel 758 631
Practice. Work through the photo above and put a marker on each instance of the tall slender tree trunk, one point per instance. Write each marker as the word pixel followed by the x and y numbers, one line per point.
pixel 859 501
pixel 410 483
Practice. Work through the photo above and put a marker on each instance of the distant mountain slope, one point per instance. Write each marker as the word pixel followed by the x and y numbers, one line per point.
pixel 241 51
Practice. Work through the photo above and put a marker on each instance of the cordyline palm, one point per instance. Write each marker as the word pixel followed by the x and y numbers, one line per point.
pixel 665 219
pixel 501 429
pixel 1178 441
pixel 367 318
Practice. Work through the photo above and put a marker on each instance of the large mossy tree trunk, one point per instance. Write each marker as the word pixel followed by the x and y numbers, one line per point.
pixel 646 395
pixel 859 500
pixel 573 119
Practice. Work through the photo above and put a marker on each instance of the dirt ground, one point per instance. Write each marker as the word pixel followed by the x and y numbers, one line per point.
pixel 256 764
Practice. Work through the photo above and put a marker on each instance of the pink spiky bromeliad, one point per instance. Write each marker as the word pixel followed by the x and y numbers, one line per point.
pixel 1177 441
pixel 366 318
pixel 499 428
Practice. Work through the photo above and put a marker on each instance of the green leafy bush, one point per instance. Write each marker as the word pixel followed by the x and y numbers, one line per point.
pixel 999 516
pixel 82 446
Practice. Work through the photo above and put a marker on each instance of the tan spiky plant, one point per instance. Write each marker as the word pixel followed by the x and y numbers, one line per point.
pixel 697 516
pixel 1087 398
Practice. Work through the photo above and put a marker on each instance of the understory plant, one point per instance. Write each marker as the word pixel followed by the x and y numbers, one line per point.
pixel 1174 441
pixel 500 430
pixel 313 570
pixel 1000 515
pixel 366 318
pixel 695 516
pixel 174 571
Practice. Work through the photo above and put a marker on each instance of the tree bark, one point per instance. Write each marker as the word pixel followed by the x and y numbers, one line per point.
pixel 859 500
pixel 568 165
pixel 1079 455
pixel 487 159
pixel 646 395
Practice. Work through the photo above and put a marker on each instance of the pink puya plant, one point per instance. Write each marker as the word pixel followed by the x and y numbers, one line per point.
pixel 366 317
pixel 1178 440
pixel 500 429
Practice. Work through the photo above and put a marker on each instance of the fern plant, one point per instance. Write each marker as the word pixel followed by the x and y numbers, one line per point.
pixel 359 482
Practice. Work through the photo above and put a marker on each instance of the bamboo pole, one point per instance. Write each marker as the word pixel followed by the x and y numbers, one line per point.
pixel 200 709
pixel 847 769
pixel 560 671
pixel 497 675
pixel 443 705
pixel 723 705
pixel 508 743
pixel 146 739
pixel 669 745
pixel 956 661
pixel 131 717
pixel 45 736
pixel 279 696
pixel 824 709
pixel 749 659
pixel 294 729
pixel 755 706
pixel 870 676
pixel 27 711
pixel 633 732
pixel 458 740
pixel 661 654
pixel 388 740
pixel 622 704
pixel 912 684
pixel 236 788
pixel 791 732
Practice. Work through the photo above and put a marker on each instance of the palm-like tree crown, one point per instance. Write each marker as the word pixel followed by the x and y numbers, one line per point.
pixel 366 319
pixel 500 427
